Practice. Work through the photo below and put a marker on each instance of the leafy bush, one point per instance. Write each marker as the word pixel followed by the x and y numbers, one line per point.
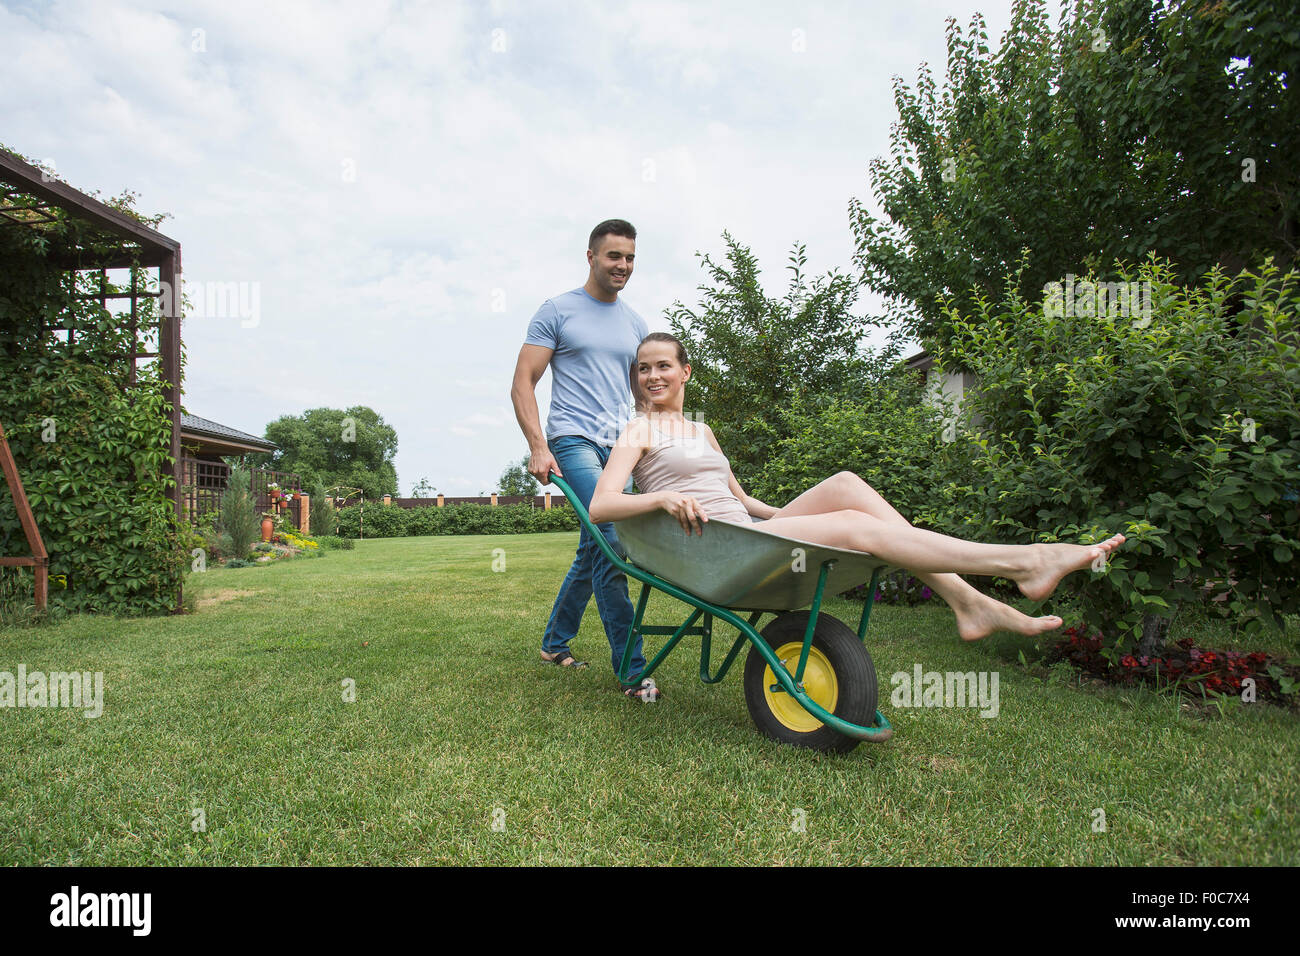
pixel 885 434
pixel 1184 434
pixel 465 518
pixel 239 518
pixel 323 519
pixel 238 563
pixel 96 488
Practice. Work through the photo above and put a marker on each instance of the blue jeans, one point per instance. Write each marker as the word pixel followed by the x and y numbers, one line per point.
pixel 582 461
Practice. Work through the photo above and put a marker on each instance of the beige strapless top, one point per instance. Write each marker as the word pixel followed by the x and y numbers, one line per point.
pixel 691 466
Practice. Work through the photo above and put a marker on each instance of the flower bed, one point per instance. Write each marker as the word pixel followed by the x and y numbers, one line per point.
pixel 1184 666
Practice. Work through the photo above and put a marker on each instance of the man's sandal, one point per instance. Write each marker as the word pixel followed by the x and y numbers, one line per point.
pixel 646 691
pixel 562 656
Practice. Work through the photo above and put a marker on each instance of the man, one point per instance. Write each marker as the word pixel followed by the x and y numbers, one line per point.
pixel 588 337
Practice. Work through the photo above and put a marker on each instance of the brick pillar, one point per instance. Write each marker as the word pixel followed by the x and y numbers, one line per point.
pixel 304 514
pixel 494 498
pixel 547 503
pixel 439 501
pixel 388 500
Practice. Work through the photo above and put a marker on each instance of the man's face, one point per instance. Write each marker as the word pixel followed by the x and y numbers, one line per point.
pixel 611 262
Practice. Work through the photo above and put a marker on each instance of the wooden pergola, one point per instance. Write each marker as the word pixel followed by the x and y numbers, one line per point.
pixel 27 197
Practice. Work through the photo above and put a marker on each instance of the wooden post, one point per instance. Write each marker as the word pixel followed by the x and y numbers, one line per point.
pixel 169 358
pixel 304 513
pixel 38 560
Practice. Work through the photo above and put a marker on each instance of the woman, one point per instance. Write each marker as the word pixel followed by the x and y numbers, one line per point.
pixel 680 468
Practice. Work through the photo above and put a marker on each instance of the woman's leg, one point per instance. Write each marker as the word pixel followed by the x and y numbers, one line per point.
pixel 846 490
pixel 1036 568
pixel 978 615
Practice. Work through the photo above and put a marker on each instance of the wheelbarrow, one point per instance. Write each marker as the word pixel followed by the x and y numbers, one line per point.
pixel 809 680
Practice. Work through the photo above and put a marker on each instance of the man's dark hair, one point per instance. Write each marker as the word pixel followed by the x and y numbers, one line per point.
pixel 611 227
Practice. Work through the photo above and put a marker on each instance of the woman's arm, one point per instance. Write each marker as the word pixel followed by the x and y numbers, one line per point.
pixel 608 503
pixel 755 507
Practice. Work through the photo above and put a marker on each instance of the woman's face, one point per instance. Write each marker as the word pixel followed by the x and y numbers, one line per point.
pixel 661 377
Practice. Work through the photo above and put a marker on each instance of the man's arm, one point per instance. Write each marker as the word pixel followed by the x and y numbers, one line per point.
pixel 532 363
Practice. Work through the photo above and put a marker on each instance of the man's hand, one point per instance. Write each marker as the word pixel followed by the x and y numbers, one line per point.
pixel 685 509
pixel 541 463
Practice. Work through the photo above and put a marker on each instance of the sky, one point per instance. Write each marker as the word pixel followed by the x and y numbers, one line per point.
pixel 395 188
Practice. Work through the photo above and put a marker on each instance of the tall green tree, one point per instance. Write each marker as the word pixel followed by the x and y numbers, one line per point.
pixel 423 489
pixel 354 448
pixel 1134 127
pixel 238 516
pixel 751 354
pixel 516 480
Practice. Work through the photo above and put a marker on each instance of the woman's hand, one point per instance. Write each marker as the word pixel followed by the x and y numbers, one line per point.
pixel 685 509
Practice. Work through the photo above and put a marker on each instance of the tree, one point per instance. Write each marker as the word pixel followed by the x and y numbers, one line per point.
pixel 1136 127
pixel 353 448
pixel 423 489
pixel 750 354
pixel 239 517
pixel 324 516
pixel 516 480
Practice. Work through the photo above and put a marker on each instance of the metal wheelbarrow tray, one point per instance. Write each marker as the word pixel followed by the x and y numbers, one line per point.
pixel 828 700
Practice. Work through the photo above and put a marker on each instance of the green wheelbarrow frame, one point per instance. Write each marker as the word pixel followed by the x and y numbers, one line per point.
pixel 790 683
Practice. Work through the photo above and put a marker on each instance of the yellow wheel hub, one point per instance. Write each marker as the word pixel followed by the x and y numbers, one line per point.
pixel 819 683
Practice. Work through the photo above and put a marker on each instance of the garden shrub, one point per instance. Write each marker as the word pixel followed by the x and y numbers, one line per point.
pixel 96 487
pixel 886 435
pixel 464 518
pixel 1182 432
pixel 376 521
pixel 323 519
pixel 239 519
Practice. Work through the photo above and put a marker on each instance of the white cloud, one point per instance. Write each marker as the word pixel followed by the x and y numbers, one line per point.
pixel 477 174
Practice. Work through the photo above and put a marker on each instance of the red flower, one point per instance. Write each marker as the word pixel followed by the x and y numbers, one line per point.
pixel 1128 661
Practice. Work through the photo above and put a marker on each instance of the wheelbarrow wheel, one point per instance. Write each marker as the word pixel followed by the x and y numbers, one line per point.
pixel 839 676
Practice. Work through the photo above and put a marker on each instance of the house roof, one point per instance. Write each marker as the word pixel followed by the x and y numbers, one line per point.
pixel 219 436
pixel 920 358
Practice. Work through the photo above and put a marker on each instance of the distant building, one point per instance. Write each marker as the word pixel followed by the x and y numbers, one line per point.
pixel 951 385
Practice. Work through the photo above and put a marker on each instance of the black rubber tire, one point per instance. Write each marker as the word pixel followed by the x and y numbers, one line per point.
pixel 855 676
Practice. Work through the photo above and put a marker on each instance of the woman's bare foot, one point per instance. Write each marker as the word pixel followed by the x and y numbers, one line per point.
pixel 989 615
pixel 1054 561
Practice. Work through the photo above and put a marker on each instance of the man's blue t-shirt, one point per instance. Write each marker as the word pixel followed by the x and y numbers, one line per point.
pixel 595 346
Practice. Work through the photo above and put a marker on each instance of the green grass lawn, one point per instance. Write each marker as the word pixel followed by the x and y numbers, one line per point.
pixel 238 710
